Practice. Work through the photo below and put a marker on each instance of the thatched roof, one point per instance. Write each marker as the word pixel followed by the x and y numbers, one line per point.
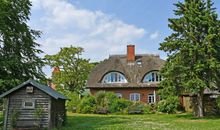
pixel 134 73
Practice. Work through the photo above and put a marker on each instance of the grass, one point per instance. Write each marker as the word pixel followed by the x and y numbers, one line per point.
pixel 140 122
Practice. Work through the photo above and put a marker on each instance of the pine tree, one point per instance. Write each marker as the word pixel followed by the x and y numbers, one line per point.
pixel 193 49
pixel 19 58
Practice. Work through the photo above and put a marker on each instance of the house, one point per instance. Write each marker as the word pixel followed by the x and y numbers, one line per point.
pixel 33 105
pixel 131 76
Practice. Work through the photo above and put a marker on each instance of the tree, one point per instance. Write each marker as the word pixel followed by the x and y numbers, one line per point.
pixel 193 49
pixel 19 52
pixel 74 70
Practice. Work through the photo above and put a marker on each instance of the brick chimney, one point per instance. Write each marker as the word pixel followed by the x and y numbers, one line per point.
pixel 130 53
pixel 56 70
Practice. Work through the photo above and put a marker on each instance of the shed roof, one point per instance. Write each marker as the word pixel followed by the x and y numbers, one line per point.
pixel 42 87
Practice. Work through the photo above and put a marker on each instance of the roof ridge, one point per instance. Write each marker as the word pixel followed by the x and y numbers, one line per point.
pixel 123 55
pixel 55 94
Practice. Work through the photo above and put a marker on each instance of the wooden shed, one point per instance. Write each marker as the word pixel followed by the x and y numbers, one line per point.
pixel 32 105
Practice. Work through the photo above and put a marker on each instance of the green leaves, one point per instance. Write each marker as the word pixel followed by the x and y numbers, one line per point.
pixel 18 49
pixel 74 69
pixel 193 49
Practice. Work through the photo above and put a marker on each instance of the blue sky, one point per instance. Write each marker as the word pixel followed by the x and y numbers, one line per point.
pixel 103 27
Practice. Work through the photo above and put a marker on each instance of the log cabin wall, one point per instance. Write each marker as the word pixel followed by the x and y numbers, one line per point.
pixel 27 117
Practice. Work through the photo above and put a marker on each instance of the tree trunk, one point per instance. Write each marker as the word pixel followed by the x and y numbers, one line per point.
pixel 200 112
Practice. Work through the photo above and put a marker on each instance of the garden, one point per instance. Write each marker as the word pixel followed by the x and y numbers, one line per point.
pixel 105 111
pixel 108 103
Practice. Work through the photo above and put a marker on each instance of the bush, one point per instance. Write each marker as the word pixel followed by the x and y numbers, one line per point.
pixel 87 105
pixel 73 102
pixel 104 101
pixel 148 109
pixel 136 108
pixel 169 105
pixel 108 102
pixel 74 99
pixel 119 105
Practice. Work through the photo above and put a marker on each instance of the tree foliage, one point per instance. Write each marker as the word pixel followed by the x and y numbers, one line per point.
pixel 19 59
pixel 193 50
pixel 74 70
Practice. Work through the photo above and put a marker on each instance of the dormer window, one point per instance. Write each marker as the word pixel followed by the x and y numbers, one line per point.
pixel 139 62
pixel 114 77
pixel 153 76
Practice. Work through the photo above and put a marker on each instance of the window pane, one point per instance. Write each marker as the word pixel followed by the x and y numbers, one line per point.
pixel 150 98
pixel 152 77
pixel 157 79
pixel 28 104
pixel 135 97
pixel 114 77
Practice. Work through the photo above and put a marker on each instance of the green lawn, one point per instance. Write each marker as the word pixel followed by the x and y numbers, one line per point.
pixel 140 122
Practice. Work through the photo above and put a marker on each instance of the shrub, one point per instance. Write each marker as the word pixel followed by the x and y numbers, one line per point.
pixel 14 117
pixel 87 105
pixel 104 101
pixel 74 99
pixel 136 108
pixel 73 102
pixel 169 105
pixel 148 109
pixel 119 105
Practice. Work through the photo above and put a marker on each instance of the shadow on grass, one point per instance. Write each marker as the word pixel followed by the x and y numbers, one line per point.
pixel 93 122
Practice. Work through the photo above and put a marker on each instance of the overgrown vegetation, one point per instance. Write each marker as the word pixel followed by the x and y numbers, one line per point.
pixel 38 113
pixel 74 97
pixel 14 117
pixel 169 105
pixel 87 105
pixel 108 102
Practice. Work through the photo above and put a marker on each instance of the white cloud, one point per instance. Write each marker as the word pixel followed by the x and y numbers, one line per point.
pixel 154 35
pixel 63 24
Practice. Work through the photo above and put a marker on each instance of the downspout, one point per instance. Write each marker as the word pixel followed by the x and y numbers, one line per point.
pixel 154 96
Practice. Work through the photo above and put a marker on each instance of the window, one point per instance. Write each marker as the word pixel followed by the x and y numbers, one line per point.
pixel 135 96
pixel 119 95
pixel 29 89
pixel 150 98
pixel 139 62
pixel 153 76
pixel 114 77
pixel 28 103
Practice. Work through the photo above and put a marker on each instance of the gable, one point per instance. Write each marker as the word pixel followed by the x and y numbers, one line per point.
pixel 48 90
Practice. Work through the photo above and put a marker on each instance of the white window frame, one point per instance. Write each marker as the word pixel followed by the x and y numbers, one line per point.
pixel 152 76
pixel 24 101
pixel 135 96
pixel 151 98
pixel 114 77
pixel 119 95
